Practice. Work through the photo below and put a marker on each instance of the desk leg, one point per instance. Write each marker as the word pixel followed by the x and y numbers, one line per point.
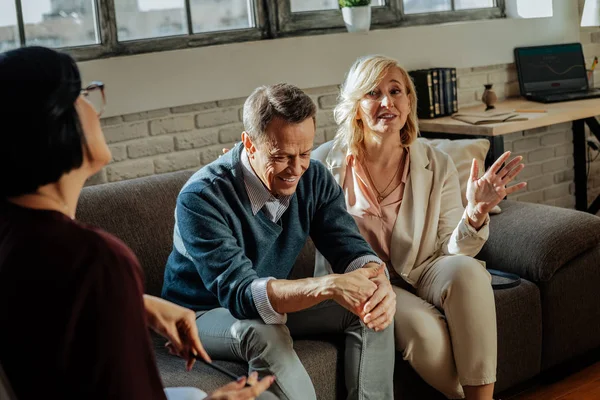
pixel 579 158
pixel 496 150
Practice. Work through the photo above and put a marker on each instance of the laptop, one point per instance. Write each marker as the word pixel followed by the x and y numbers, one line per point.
pixel 553 73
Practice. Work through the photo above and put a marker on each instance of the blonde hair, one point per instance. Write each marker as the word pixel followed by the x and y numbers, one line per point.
pixel 364 76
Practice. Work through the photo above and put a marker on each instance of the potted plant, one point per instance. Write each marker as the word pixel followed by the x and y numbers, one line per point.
pixel 357 14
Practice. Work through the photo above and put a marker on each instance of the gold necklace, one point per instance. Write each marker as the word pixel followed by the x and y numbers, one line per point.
pixel 380 195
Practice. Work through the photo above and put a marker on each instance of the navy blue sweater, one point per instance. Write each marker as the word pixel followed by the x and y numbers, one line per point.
pixel 220 247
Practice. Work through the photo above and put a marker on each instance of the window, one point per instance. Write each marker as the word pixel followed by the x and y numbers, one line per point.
pixel 428 6
pixel 91 29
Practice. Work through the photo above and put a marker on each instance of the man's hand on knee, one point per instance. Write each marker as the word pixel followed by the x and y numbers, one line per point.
pixel 378 312
pixel 352 290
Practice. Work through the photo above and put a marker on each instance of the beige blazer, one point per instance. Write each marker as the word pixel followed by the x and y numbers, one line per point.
pixel 431 221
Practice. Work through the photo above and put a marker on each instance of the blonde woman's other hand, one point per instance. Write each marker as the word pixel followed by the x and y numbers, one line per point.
pixel 485 192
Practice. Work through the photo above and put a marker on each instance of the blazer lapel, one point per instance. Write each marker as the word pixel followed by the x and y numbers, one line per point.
pixel 410 224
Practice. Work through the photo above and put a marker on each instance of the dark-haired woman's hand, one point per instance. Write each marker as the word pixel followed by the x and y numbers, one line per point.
pixel 484 193
pixel 178 325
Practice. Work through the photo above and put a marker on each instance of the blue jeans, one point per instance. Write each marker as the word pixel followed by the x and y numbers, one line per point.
pixel 268 349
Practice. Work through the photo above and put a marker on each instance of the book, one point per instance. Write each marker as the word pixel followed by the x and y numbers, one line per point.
pixel 485 118
pixel 454 90
pixel 442 91
pixel 423 82
pixel 436 92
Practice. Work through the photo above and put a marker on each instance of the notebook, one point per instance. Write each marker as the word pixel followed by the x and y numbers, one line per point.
pixel 553 73
pixel 488 117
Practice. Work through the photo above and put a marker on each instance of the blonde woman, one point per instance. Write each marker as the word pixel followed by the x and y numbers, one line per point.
pixel 405 198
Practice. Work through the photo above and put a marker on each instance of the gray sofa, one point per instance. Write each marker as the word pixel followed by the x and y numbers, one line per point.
pixel 552 317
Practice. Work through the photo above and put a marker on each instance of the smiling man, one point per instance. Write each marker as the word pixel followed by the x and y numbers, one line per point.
pixel 240 223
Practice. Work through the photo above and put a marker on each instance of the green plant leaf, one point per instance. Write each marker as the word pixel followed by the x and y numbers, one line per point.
pixel 353 3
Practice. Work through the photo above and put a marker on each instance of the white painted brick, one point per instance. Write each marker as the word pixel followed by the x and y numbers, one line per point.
pixel 564 127
pixel 554 165
pixel 196 139
pixel 330 133
pixel 176 161
pixel 542 129
pixel 231 133
pixel 319 137
pixel 231 102
pixel 111 121
pixel 585 37
pixel 325 118
pixel 528 143
pixel 466 97
pixel 97 178
pixel 511 89
pixel 501 76
pixel 218 117
pixel 182 123
pixel 554 139
pixel 124 132
pixel 565 201
pixel 594 37
pixel 129 170
pixel 190 108
pixel 533 197
pixel 564 150
pixel 570 162
pixel 486 68
pixel 557 191
pixel 514 136
pixel 472 81
pixel 146 115
pixel 530 171
pixel 328 101
pixel 540 155
pixel 119 152
pixel 539 183
pixel 564 176
pixel 151 147
pixel 210 154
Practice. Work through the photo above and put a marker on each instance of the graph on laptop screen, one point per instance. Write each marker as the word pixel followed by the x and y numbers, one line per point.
pixel 555 68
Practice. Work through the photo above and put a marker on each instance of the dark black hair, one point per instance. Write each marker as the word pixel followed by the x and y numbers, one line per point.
pixel 40 133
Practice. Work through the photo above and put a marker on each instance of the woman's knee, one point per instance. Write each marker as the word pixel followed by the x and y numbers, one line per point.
pixel 423 332
pixel 467 273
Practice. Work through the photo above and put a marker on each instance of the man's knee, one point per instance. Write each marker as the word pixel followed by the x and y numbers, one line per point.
pixel 258 336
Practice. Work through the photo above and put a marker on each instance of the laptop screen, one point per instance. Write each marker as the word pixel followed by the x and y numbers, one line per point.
pixel 551 69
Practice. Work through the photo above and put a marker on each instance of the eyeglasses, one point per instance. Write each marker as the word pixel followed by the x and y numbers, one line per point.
pixel 94 93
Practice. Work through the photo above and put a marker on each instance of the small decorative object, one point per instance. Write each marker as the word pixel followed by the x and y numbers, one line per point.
pixel 357 14
pixel 489 97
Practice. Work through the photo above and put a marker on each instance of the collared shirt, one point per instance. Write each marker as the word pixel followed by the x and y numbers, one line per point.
pixel 274 207
pixel 375 219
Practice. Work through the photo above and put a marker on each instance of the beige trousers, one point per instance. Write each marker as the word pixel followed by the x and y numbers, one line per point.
pixel 447 329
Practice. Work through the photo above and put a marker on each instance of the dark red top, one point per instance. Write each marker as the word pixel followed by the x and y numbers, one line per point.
pixel 72 319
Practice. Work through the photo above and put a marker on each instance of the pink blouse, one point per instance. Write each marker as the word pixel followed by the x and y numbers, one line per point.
pixel 375 220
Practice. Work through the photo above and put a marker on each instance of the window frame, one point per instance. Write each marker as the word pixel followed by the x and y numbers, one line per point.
pixel 273 19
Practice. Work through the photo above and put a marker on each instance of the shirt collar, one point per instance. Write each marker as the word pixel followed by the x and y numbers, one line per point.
pixel 257 192
pixel 405 158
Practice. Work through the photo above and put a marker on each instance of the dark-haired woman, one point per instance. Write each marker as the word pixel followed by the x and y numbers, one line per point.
pixel 73 316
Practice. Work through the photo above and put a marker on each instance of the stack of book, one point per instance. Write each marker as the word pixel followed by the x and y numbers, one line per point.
pixel 436 92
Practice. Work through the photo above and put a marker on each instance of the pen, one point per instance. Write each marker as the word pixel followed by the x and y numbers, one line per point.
pixel 220 369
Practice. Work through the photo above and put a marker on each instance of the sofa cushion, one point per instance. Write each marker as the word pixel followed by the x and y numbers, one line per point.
pixel 140 212
pixel 535 240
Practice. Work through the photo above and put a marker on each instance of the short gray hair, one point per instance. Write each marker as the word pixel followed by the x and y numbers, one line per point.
pixel 281 100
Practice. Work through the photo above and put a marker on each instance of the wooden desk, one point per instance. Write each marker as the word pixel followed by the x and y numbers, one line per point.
pixel 578 112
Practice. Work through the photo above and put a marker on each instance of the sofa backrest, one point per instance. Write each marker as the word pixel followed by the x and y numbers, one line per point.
pixel 140 212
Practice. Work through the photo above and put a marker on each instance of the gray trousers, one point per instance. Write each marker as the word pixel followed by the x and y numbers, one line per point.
pixel 268 349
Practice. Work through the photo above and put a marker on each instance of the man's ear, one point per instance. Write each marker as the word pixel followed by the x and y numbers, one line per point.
pixel 247 143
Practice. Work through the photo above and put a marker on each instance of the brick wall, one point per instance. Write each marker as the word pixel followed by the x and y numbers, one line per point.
pixel 188 137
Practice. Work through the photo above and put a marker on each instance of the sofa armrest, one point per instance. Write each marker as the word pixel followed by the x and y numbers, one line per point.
pixel 534 240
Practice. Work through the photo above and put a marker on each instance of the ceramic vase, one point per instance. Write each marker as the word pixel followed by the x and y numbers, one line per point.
pixel 489 97
pixel 357 19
